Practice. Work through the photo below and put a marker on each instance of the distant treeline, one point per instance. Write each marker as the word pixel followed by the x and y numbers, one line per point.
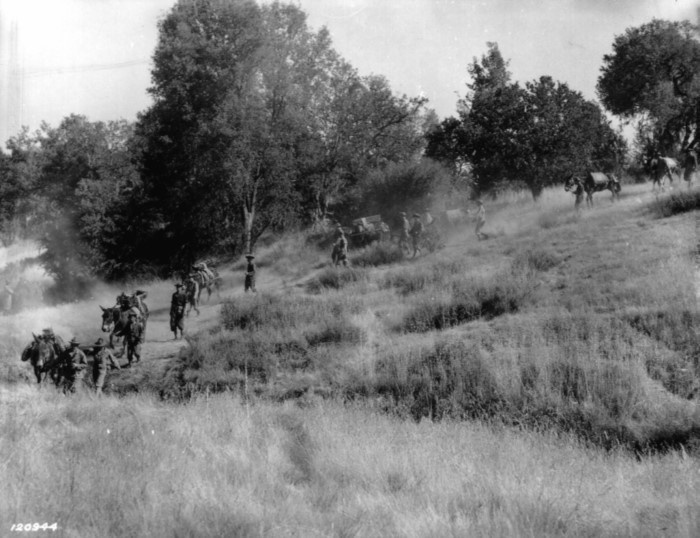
pixel 257 124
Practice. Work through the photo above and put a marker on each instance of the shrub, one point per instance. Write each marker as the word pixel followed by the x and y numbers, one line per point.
pixel 229 361
pixel 336 278
pixel 477 298
pixel 674 203
pixel 378 253
pixel 449 379
pixel 415 279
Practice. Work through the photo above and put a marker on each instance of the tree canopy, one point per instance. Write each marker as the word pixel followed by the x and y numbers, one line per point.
pixel 536 135
pixel 652 75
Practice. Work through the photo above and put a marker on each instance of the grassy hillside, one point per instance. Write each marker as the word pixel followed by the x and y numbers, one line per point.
pixel 465 393
pixel 584 323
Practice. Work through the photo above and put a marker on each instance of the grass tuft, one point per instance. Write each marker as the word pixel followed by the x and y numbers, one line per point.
pixel 336 278
pixel 378 253
pixel 477 298
pixel 675 203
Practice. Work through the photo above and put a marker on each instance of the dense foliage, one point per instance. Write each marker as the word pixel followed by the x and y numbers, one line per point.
pixel 536 135
pixel 258 124
pixel 652 76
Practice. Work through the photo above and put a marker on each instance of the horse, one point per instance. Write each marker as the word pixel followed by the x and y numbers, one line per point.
pixel 591 183
pixel 662 168
pixel 114 321
pixel 204 282
pixel 39 353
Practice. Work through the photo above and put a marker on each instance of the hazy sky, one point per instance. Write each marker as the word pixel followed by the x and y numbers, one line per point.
pixel 92 57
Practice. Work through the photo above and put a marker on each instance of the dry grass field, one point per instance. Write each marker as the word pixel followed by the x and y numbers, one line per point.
pixel 543 382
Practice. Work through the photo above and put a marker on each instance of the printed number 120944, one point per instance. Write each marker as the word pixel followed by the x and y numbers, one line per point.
pixel 34 527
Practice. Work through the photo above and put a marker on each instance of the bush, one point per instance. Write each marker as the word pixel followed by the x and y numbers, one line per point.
pixel 450 379
pixel 226 361
pixel 415 279
pixel 478 298
pixel 284 312
pixel 676 202
pixel 336 278
pixel 378 253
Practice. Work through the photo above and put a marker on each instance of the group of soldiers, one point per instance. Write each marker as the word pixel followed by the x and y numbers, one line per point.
pixel 187 292
pixel 410 235
pixel 69 363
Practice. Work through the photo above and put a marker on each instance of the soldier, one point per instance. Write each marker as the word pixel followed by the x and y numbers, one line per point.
pixel 192 292
pixel 405 229
pixel 480 220
pixel 56 341
pixel 178 302
pixel 103 359
pixel 74 364
pixel 250 274
pixel 123 301
pixel 341 249
pixel 416 232
pixel 133 334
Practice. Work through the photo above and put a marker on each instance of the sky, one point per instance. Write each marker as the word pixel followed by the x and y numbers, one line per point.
pixel 93 57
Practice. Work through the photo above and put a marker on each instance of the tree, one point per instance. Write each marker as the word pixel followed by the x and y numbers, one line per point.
pixel 482 137
pixel 360 125
pixel 652 75
pixel 536 135
pixel 205 65
pixel 563 135
pixel 86 179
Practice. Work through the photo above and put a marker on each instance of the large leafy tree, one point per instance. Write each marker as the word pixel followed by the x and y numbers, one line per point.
pixel 652 75
pixel 205 67
pixel 534 135
pixel 564 134
pixel 73 185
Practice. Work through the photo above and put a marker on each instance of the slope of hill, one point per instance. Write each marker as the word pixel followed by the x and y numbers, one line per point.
pixel 559 334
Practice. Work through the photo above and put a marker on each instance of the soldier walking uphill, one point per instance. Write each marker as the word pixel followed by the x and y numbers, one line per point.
pixel 340 249
pixel 102 361
pixel 192 292
pixel 74 364
pixel 178 302
pixel 59 347
pixel 250 274
pixel 133 334
pixel 416 233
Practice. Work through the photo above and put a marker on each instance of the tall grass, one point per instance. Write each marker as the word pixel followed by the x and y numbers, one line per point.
pixel 474 298
pixel 219 467
pixel 675 202
pixel 335 278
pixel 378 253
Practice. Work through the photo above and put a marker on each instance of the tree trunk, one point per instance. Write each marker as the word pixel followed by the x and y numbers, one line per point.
pixel 248 216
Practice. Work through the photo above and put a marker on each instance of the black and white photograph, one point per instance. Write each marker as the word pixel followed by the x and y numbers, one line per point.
pixel 350 268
